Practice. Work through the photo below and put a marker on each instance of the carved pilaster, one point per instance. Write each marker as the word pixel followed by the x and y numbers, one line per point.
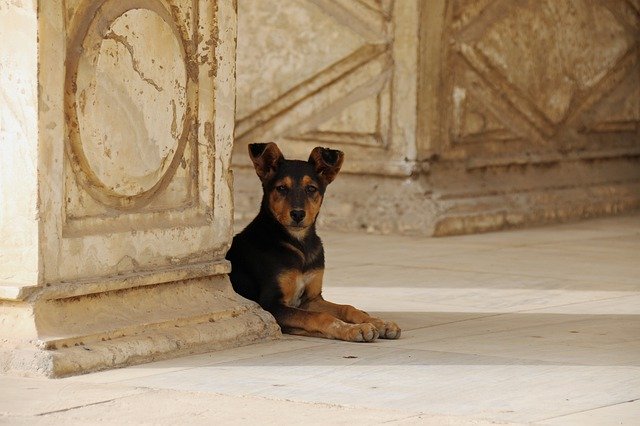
pixel 120 197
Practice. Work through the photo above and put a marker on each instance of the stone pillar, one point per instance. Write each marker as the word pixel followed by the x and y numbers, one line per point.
pixel 116 129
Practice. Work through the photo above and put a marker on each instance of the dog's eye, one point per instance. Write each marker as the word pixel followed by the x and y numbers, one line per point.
pixel 282 189
pixel 311 189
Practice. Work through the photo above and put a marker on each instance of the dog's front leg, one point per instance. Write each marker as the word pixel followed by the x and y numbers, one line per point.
pixel 323 323
pixel 386 329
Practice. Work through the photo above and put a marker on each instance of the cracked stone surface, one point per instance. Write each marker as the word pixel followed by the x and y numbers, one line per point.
pixel 132 97
pixel 538 326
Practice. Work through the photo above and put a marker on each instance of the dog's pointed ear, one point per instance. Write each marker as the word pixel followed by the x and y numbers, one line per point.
pixel 266 158
pixel 327 163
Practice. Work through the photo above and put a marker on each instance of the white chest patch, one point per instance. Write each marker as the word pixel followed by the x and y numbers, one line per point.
pixel 301 284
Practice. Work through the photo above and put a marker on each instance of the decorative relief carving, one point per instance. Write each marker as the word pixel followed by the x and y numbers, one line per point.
pixel 534 73
pixel 140 140
pixel 477 123
pixel 325 75
pixel 617 112
pixel 134 131
pixel 121 149
pixel 144 154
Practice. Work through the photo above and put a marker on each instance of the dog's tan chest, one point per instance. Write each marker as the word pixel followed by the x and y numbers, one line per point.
pixel 296 286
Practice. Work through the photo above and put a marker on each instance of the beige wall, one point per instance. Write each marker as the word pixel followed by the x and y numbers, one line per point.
pixel 477 114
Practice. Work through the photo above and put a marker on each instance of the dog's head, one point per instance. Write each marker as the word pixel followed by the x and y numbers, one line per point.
pixel 294 189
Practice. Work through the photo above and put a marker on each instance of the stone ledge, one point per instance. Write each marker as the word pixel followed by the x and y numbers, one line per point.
pixel 520 209
pixel 113 283
pixel 118 328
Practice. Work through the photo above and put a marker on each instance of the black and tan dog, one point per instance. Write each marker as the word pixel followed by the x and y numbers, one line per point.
pixel 278 259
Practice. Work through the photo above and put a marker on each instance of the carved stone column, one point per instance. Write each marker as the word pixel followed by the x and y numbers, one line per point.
pixel 116 129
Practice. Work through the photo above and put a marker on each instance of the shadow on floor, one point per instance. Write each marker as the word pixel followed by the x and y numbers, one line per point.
pixel 458 338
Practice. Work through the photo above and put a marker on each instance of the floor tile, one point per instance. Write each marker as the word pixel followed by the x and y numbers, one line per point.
pixel 17 395
pixel 165 406
pixel 625 413
pixel 569 339
pixel 287 343
pixel 619 305
pixel 452 299
pixel 548 261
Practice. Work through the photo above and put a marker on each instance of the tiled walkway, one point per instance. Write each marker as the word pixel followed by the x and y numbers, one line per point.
pixel 532 326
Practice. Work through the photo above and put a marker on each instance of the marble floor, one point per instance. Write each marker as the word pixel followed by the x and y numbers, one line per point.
pixel 536 326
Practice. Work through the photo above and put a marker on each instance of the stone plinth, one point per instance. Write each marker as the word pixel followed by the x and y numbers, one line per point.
pixel 116 129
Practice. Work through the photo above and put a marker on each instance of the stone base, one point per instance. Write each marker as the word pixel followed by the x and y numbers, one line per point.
pixel 117 328
pixel 456 198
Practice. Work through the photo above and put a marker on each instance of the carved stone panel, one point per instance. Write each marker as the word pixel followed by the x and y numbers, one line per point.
pixel 144 156
pixel 124 148
pixel 329 72
pixel 527 79
pixel 475 100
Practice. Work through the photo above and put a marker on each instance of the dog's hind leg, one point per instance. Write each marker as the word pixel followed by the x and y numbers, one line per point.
pixel 299 321
pixel 386 329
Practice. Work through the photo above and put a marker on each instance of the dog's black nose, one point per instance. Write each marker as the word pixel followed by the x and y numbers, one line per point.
pixel 297 215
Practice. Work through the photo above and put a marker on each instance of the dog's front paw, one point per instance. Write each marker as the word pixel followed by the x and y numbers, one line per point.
pixel 360 333
pixel 387 329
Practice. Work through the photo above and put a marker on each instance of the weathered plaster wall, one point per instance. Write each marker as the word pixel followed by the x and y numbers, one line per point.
pixel 455 116
pixel 18 142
